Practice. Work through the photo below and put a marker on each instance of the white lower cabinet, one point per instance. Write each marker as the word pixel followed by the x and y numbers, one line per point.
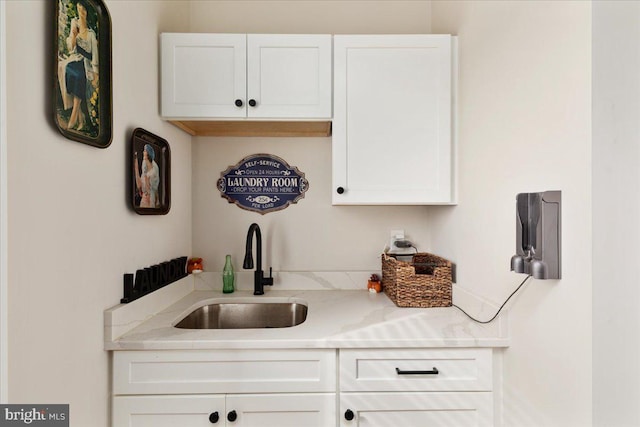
pixel 299 388
pixel 234 388
pixel 416 387
pixel 264 410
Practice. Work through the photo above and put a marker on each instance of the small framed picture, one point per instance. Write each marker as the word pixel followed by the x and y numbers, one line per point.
pixel 82 72
pixel 150 173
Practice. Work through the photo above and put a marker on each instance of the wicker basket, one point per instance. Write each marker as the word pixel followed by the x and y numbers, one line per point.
pixel 424 282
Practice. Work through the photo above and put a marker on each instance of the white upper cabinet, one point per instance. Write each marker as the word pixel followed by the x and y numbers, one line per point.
pixel 289 75
pixel 261 76
pixel 392 126
pixel 203 75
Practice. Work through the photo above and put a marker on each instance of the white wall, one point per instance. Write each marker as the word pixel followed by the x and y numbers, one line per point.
pixel 311 16
pixel 524 125
pixel 616 209
pixel 311 235
pixel 71 233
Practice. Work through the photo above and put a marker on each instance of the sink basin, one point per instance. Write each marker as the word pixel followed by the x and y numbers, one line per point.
pixel 245 315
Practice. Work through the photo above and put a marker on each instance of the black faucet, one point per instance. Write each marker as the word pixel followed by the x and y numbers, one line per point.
pixel 259 281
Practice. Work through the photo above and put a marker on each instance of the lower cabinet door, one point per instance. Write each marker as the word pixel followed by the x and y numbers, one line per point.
pixel 169 411
pixel 282 410
pixel 467 409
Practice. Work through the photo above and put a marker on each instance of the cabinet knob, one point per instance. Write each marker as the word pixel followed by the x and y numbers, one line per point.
pixel 252 102
pixel 214 417
pixel 340 190
pixel 232 416
pixel 349 415
pixel 238 102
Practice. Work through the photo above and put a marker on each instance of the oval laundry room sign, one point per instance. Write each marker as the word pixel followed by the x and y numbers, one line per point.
pixel 262 183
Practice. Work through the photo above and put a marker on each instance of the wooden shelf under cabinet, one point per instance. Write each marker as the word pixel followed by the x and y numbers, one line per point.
pixel 255 128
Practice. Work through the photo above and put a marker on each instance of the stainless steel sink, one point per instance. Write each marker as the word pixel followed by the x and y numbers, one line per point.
pixel 244 315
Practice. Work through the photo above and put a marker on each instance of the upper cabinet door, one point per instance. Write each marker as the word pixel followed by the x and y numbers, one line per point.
pixel 289 76
pixel 203 75
pixel 392 127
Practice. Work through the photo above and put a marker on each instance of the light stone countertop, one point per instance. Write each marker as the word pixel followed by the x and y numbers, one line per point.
pixel 337 318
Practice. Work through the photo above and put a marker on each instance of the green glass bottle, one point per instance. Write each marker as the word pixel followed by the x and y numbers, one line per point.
pixel 228 276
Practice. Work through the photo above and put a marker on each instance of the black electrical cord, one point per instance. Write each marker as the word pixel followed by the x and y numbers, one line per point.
pixel 500 309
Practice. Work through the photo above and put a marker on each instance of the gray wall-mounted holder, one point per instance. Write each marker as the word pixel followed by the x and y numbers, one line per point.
pixel 538 235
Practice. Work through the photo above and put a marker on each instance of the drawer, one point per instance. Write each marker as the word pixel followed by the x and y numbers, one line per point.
pixel 416 370
pixel 223 371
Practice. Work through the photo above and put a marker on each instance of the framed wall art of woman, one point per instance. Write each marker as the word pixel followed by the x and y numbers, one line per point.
pixel 151 173
pixel 82 84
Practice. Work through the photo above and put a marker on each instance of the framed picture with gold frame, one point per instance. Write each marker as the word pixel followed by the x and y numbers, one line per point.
pixel 82 83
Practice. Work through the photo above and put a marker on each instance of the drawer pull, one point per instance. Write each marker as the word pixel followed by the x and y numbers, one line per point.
pixel 433 371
